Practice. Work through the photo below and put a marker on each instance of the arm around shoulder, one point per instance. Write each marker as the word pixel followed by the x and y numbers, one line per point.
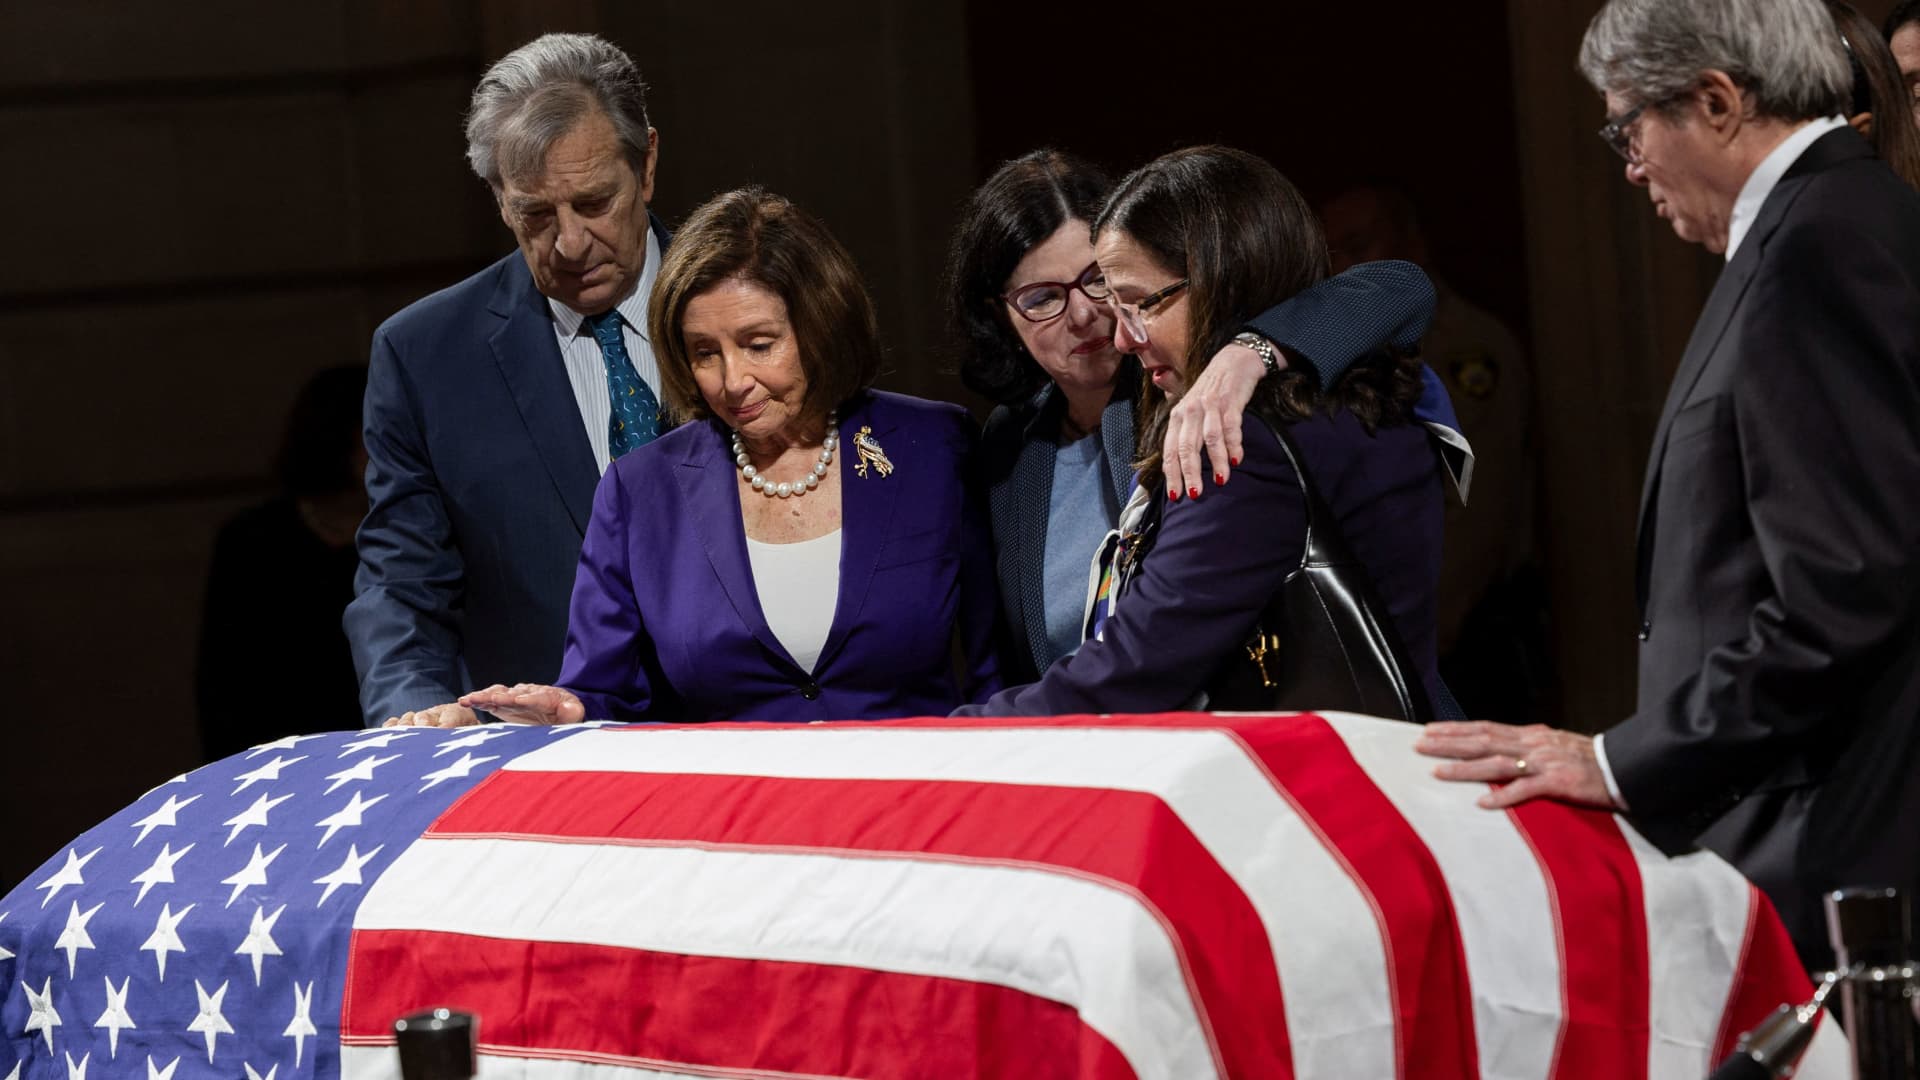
pixel 1330 325
pixel 1350 315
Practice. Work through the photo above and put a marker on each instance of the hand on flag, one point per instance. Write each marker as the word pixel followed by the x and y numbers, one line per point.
pixel 527 703
pixel 444 716
pixel 1532 762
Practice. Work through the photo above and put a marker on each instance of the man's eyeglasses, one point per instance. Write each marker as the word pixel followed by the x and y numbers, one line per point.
pixel 1617 134
pixel 1620 133
pixel 1043 301
pixel 1133 316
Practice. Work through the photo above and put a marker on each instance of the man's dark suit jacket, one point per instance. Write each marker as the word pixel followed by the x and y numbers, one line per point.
pixel 1779 579
pixel 480 480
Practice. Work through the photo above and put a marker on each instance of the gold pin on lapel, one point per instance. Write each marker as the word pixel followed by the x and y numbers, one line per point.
pixel 870 453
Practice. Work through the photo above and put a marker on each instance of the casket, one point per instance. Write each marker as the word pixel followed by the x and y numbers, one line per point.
pixel 1175 896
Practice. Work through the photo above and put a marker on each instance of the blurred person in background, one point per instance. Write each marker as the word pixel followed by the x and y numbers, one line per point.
pixel 1492 624
pixel 1902 34
pixel 1879 108
pixel 282 572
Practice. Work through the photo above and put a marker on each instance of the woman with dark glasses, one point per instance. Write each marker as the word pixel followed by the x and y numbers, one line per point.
pixel 1025 297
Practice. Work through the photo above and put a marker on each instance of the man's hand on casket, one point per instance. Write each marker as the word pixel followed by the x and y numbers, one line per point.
pixel 448 715
pixel 528 703
pixel 1532 762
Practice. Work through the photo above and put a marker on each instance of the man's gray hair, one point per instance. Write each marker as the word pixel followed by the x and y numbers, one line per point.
pixel 1785 52
pixel 535 94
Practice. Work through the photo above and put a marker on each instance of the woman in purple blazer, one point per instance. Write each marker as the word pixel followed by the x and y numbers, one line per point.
pixel 802 547
pixel 1188 247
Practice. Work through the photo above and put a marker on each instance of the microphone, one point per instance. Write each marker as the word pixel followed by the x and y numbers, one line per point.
pixel 436 1045
pixel 1774 1046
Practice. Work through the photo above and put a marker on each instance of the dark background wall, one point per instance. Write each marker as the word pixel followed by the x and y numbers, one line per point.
pixel 206 202
pixel 1418 96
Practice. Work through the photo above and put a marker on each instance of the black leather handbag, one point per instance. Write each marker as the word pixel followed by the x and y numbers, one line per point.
pixel 1326 641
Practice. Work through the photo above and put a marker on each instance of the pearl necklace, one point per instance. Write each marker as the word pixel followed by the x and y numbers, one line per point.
pixel 798 487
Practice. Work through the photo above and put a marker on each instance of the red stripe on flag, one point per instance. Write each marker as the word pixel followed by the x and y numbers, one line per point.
pixel 1426 961
pixel 693 1013
pixel 1768 975
pixel 1599 917
pixel 1125 839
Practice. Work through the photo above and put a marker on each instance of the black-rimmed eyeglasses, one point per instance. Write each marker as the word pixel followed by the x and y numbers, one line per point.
pixel 1616 133
pixel 1043 301
pixel 1620 132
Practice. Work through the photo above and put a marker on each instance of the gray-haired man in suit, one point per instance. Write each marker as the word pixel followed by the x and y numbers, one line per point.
pixel 494 405
pixel 1778 720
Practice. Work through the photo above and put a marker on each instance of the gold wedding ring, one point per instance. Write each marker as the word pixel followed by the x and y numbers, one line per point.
pixel 1520 766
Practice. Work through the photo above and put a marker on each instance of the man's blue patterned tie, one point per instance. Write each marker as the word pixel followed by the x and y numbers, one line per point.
pixel 635 420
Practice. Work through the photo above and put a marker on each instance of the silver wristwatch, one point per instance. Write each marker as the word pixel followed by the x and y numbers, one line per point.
pixel 1269 356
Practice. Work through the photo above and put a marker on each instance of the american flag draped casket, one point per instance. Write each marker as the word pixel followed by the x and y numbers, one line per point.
pixel 1160 896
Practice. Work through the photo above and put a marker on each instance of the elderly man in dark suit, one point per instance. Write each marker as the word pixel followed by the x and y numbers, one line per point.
pixel 1778 720
pixel 493 406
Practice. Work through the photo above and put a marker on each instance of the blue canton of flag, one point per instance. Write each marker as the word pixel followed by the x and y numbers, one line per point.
pixel 203 931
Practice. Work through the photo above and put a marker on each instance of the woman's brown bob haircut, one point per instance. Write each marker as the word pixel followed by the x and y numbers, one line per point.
pixel 754 236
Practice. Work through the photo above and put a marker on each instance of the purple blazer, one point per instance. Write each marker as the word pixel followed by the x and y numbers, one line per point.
pixel 666 623
pixel 1220 558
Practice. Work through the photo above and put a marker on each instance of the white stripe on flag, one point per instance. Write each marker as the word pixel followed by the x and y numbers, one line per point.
pixel 383 1063
pixel 1327 946
pixel 1061 938
pixel 1696 925
pixel 1828 1057
pixel 1499 897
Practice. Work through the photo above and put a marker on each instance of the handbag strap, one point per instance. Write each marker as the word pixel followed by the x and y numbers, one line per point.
pixel 1324 545
pixel 1326 551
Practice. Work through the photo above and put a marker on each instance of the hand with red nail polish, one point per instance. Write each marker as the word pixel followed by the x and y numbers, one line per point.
pixel 1207 419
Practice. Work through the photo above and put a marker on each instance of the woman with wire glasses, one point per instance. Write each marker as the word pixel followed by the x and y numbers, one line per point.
pixel 1025 297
